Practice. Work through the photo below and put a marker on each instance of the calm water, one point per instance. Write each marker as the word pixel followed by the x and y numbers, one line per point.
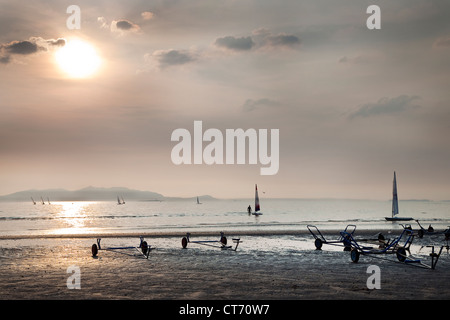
pixel 24 218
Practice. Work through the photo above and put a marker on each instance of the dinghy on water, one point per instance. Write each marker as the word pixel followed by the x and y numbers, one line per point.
pixel 257 207
pixel 395 205
pixel 120 201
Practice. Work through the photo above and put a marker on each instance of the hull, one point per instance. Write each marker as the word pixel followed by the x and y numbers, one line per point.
pixel 398 219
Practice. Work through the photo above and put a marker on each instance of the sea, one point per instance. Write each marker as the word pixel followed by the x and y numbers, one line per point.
pixel 173 217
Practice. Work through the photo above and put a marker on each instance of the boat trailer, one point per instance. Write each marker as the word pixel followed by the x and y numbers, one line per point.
pixel 143 248
pixel 221 243
pixel 392 247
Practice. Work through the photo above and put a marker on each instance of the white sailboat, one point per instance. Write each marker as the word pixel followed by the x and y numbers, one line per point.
pixel 395 204
pixel 257 207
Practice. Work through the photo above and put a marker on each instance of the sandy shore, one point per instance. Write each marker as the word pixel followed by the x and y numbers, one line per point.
pixel 263 268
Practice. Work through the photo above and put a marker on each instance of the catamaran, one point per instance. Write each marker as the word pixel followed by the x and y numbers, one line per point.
pixel 395 205
pixel 257 207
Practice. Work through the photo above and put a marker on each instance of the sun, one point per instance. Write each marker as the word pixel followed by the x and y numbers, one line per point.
pixel 78 59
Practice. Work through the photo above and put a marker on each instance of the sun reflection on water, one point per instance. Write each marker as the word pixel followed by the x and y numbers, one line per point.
pixel 73 217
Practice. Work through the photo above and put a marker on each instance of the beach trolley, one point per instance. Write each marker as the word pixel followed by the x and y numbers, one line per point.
pixel 319 239
pixel 221 243
pixel 343 239
pixel 431 231
pixel 143 248
pixel 395 246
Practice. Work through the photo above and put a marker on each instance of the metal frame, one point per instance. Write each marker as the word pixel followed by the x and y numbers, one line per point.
pixel 143 248
pixel 319 238
pixel 430 231
pixel 391 247
pixel 222 242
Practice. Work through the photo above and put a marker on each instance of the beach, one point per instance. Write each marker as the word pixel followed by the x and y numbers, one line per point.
pixel 271 267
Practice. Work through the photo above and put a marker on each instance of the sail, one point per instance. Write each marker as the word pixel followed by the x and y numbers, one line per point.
pixel 394 197
pixel 257 208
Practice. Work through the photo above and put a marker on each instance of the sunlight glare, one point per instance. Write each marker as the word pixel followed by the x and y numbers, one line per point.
pixel 78 59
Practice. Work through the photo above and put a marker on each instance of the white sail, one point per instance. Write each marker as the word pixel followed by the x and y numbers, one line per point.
pixel 394 197
pixel 395 204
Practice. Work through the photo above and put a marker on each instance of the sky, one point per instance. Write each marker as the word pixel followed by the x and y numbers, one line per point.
pixel 352 104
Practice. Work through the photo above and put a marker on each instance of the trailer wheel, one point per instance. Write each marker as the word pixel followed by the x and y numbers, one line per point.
pixel 94 250
pixel 144 247
pixel 223 240
pixel 318 243
pixel 401 254
pixel 354 255
pixel 184 242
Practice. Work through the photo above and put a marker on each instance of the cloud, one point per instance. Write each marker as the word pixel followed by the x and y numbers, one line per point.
pixel 386 106
pixel 147 15
pixel 103 22
pixel 261 38
pixel 21 47
pixel 60 42
pixel 286 40
pixel 124 25
pixel 353 60
pixel 171 57
pixel 27 47
pixel 120 26
pixel 442 42
pixel 251 104
pixel 232 43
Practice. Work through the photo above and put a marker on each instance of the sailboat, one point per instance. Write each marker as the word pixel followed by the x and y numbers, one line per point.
pixel 198 201
pixel 257 207
pixel 395 204
pixel 120 201
pixel 34 202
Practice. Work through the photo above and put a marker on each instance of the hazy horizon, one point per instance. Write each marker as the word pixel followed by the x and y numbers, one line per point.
pixel 168 196
pixel 352 105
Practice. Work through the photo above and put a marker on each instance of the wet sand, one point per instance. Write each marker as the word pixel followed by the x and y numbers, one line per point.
pixel 263 268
